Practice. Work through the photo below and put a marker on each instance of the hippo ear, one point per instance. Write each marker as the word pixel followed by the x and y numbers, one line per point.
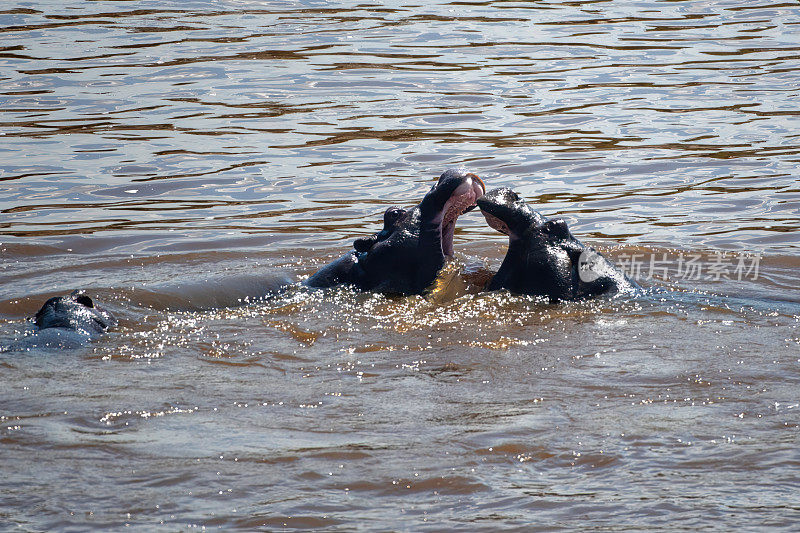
pixel 85 301
pixel 557 228
pixel 365 244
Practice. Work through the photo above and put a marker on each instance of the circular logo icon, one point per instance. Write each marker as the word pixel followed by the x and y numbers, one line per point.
pixel 588 264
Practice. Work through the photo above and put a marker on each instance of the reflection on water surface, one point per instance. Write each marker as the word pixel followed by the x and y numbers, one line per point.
pixel 177 159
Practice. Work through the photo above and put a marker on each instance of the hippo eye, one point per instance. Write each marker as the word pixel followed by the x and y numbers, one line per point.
pixel 392 215
pixel 85 301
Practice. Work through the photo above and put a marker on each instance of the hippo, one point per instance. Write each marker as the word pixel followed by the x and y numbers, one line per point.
pixel 406 255
pixel 66 322
pixel 543 257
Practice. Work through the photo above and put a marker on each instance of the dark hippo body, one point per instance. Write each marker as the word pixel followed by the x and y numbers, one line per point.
pixel 76 312
pixel 406 255
pixel 544 258
pixel 66 322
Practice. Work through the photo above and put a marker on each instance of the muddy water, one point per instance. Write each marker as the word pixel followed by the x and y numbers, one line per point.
pixel 178 160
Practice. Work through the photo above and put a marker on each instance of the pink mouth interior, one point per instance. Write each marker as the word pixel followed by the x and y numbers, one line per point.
pixel 462 199
pixel 496 223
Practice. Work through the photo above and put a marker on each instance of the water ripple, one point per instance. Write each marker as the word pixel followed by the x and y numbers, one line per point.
pixel 180 159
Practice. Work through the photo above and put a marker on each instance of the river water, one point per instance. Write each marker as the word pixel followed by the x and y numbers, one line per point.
pixel 179 159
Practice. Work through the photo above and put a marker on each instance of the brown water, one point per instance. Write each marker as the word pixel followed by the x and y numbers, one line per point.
pixel 176 159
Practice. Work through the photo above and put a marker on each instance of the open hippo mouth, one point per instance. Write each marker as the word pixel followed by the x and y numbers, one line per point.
pixel 497 224
pixel 462 200
pixel 506 212
pixel 408 253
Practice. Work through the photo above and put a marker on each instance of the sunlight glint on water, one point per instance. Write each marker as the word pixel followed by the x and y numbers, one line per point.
pixel 178 159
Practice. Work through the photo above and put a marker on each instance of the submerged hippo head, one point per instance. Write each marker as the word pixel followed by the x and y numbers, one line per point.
pixel 543 257
pixel 406 255
pixel 75 312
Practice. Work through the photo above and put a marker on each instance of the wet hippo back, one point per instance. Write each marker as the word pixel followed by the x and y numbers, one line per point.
pixel 76 312
pixel 66 322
